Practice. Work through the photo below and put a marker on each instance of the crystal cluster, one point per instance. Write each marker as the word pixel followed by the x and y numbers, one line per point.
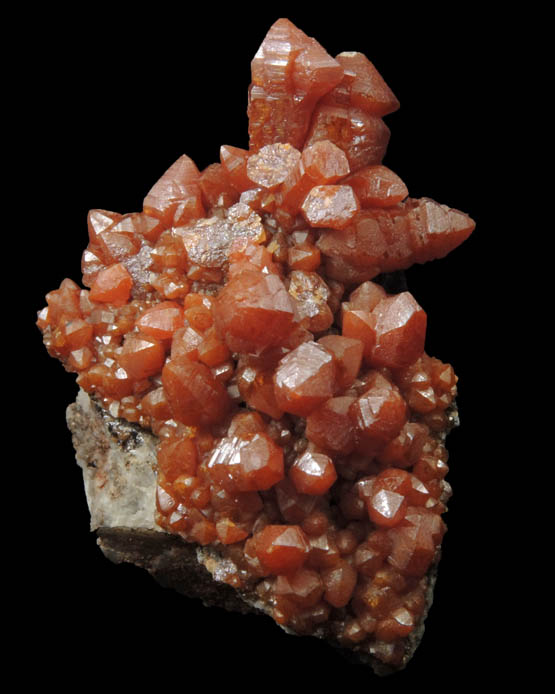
pixel 241 317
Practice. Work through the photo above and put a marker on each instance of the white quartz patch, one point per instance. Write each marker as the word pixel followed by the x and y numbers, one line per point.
pixel 120 480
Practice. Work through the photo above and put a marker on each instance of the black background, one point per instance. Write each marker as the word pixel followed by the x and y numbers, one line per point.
pixel 108 105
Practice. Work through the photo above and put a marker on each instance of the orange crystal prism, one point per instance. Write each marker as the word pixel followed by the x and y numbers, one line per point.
pixel 242 317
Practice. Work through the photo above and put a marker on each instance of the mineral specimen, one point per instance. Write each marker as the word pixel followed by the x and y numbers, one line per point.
pixel 292 423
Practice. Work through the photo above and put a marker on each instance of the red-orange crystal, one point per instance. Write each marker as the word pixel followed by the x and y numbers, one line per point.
pixel 290 72
pixel 241 317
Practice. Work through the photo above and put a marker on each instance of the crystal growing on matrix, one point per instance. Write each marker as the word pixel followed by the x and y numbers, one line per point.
pixel 241 318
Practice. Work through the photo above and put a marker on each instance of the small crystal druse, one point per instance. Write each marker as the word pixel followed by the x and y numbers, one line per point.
pixel 241 317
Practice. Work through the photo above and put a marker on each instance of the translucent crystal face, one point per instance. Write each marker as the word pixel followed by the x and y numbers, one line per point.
pixel 241 318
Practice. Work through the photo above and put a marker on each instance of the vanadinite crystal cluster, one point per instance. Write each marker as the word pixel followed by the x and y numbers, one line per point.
pixel 242 318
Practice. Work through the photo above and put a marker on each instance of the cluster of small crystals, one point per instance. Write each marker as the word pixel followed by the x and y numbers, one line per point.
pixel 301 422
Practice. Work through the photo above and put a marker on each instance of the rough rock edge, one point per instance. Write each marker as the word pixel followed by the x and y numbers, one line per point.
pixel 118 460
